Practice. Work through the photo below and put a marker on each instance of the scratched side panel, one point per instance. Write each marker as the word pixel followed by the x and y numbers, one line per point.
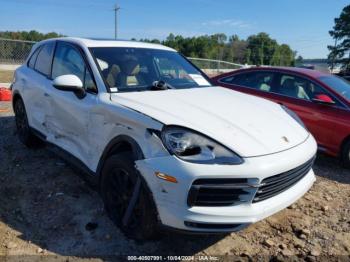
pixel 109 120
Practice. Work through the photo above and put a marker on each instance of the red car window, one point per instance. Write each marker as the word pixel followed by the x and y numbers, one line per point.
pixel 257 80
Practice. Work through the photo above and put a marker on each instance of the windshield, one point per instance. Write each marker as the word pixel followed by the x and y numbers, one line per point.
pixel 138 69
pixel 339 85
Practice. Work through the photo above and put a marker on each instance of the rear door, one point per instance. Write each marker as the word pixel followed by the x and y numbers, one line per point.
pixel 69 117
pixel 36 83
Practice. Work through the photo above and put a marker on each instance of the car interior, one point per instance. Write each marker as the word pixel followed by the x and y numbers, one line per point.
pixel 289 86
pixel 132 69
pixel 126 72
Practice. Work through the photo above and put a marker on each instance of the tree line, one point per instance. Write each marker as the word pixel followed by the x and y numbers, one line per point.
pixel 259 49
pixel 28 36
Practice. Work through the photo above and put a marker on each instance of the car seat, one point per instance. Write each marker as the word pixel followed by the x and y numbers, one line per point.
pixel 129 67
pixel 111 77
pixel 289 88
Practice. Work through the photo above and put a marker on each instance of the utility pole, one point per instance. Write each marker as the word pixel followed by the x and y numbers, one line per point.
pixel 116 9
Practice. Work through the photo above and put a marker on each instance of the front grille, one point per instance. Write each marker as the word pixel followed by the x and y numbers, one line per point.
pixel 219 192
pixel 275 185
pixel 233 191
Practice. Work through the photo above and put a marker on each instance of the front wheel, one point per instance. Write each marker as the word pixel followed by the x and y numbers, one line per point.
pixel 128 201
pixel 346 155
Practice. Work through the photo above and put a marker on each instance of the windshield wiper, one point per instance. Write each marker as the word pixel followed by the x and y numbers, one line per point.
pixel 161 85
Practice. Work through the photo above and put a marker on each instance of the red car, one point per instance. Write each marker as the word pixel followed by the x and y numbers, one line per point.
pixel 321 100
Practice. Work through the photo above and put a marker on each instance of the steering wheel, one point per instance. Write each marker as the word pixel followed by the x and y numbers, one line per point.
pixel 168 76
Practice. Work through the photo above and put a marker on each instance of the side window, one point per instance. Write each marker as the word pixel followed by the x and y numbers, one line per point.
pixel 68 61
pixel 257 80
pixel 44 59
pixel 297 87
pixel 301 88
pixel 32 59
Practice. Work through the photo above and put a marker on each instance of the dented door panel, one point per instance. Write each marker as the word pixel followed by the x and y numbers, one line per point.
pixel 68 122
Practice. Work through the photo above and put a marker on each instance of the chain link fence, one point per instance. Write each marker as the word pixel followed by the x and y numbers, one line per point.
pixel 14 52
pixel 214 67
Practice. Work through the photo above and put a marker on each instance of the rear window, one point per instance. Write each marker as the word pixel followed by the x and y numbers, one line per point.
pixel 44 59
pixel 339 85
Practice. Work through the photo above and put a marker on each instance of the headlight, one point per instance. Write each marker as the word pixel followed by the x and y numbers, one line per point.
pixel 194 147
pixel 294 116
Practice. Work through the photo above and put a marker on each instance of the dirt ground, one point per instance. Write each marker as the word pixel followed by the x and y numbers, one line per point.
pixel 6 76
pixel 45 207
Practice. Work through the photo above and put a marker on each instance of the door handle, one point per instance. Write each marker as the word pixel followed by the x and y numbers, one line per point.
pixel 46 95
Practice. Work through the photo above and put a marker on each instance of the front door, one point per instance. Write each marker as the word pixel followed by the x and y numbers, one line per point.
pixel 297 93
pixel 68 118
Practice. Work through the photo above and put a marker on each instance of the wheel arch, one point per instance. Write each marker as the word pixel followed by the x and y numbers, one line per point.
pixel 15 96
pixel 121 143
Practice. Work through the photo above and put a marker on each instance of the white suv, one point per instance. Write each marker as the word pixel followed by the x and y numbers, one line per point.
pixel 164 146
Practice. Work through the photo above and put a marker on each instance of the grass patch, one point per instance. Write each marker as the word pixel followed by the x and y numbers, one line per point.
pixel 6 76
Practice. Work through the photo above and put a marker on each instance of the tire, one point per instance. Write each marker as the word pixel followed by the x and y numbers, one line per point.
pixel 346 155
pixel 24 132
pixel 118 180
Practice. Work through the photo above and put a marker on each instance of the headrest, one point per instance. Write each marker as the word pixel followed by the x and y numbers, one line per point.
pixel 112 74
pixel 130 66
pixel 289 83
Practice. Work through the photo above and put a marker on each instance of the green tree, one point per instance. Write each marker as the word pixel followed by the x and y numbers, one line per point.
pixel 28 36
pixel 286 55
pixel 299 60
pixel 257 49
pixel 340 52
pixel 236 50
pixel 262 48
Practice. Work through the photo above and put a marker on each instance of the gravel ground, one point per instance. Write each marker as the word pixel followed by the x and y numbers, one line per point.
pixel 45 207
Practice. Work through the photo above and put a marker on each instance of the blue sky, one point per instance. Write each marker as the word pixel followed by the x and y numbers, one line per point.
pixel 303 24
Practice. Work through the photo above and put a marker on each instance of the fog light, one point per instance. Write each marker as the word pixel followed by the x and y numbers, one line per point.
pixel 166 177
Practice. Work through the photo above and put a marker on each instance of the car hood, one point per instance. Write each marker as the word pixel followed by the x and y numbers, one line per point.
pixel 248 125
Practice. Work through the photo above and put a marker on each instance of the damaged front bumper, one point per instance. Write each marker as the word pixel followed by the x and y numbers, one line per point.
pixel 172 199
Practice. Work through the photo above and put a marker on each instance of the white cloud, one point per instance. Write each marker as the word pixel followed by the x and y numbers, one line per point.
pixel 227 22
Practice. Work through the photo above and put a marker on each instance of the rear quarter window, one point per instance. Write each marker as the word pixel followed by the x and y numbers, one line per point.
pixel 33 58
pixel 44 59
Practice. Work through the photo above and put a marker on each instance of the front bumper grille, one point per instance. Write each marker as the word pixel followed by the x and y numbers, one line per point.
pixel 275 185
pixel 234 191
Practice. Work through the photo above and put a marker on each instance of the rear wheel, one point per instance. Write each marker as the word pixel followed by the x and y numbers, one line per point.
pixel 121 186
pixel 24 133
pixel 346 155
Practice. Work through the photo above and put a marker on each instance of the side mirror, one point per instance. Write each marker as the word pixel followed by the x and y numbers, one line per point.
pixel 323 99
pixel 70 83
